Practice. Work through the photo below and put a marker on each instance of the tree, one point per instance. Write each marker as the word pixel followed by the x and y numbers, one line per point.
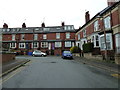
pixel 75 49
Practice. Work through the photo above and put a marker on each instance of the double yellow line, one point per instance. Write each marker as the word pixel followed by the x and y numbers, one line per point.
pixel 15 72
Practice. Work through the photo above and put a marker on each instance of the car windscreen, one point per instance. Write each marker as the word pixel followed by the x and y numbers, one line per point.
pixel 67 52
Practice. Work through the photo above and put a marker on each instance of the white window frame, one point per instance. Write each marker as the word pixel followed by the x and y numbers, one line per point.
pixel 78 36
pixel 73 44
pixel 68 43
pixel 33 46
pixel 57 35
pixel 44 44
pixel 44 36
pixel 68 35
pixel 94 40
pixel 13 36
pixel 84 33
pixel 102 43
pixel 22 36
pixel 58 44
pixel 35 36
pixel 96 26
pixel 23 44
pixel 11 45
pixel 107 22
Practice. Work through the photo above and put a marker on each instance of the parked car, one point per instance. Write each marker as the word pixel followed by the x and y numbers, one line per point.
pixel 38 53
pixel 67 54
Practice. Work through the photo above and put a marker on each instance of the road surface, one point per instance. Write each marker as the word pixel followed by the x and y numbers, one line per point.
pixel 55 72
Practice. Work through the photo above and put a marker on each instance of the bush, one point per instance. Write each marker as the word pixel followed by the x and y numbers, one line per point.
pixel 88 47
pixel 75 49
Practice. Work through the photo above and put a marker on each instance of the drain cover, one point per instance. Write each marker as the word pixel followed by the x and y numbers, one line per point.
pixel 52 62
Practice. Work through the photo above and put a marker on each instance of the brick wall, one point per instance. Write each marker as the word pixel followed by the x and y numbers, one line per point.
pixel 6 57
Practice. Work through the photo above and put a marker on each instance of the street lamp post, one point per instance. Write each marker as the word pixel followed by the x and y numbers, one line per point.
pixel 106 56
pixel 33 39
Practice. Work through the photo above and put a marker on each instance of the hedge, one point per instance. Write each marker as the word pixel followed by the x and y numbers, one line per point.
pixel 88 47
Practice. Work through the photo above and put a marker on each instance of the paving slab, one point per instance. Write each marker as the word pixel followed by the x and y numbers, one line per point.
pixel 101 64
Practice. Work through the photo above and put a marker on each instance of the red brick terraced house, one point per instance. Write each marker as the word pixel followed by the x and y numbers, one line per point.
pixel 52 40
pixel 104 23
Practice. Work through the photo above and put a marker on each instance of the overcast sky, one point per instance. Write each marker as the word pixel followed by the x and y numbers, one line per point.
pixel 52 12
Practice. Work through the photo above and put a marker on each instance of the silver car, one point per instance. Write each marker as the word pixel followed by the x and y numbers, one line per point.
pixel 38 53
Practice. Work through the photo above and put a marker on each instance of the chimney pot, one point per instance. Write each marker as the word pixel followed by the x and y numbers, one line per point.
pixel 23 25
pixel 87 16
pixel 111 2
pixel 5 25
pixel 63 23
pixel 43 24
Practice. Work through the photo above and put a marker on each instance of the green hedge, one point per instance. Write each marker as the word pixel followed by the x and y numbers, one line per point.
pixel 75 49
pixel 88 47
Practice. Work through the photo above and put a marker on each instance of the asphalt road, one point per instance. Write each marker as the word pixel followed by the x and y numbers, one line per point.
pixel 54 72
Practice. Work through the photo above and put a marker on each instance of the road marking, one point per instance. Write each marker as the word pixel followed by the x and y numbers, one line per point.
pixel 15 72
pixel 116 75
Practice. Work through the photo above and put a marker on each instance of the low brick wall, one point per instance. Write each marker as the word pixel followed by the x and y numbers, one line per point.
pixel 7 56
pixel 90 56
pixel 117 59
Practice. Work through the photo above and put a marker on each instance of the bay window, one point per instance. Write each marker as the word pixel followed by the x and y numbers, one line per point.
pixel 21 45
pixel 108 42
pixel 44 44
pixel 35 45
pixel 12 45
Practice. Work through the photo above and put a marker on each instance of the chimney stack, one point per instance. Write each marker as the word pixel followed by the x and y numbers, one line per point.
pixel 5 25
pixel 63 23
pixel 23 25
pixel 87 16
pixel 111 2
pixel 43 24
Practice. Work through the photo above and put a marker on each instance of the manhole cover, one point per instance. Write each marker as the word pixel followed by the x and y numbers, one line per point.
pixel 52 62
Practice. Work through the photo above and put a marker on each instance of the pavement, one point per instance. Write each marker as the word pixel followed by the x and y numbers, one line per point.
pixel 12 65
pixel 100 64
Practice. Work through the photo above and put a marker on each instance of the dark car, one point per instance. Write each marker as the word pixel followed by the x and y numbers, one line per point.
pixel 67 54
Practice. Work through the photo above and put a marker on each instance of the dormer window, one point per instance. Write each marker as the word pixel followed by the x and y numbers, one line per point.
pixel 36 29
pixel 46 29
pixel 4 30
pixel 8 30
pixel 13 30
pixel 26 29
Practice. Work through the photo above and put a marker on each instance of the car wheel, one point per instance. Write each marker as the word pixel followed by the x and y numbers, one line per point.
pixel 33 55
pixel 42 55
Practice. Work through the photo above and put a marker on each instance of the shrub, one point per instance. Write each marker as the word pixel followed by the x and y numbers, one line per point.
pixel 75 49
pixel 88 47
